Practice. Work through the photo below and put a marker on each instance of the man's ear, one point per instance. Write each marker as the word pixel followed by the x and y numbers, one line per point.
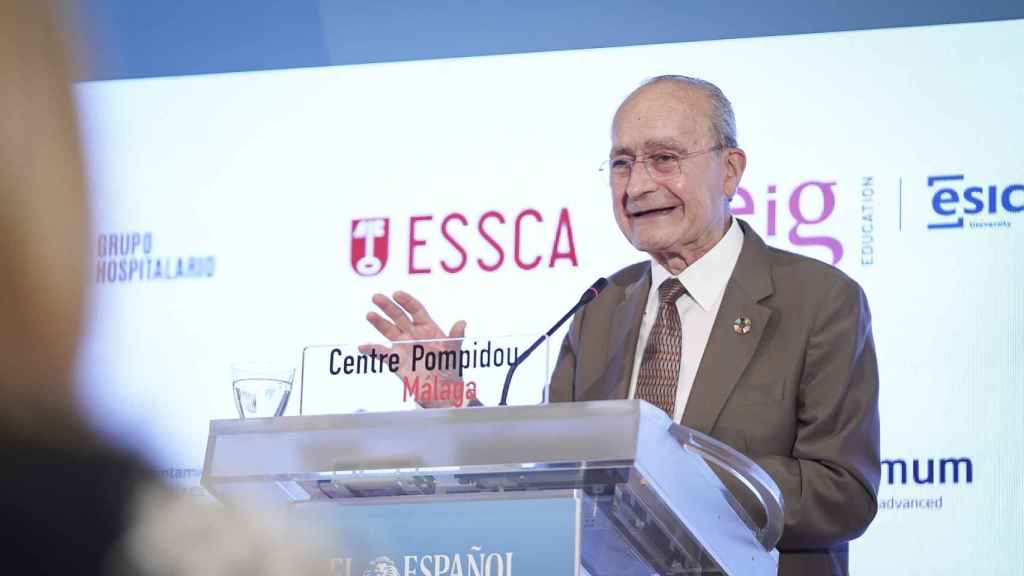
pixel 735 162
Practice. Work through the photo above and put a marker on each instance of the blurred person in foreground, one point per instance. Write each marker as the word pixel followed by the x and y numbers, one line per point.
pixel 70 503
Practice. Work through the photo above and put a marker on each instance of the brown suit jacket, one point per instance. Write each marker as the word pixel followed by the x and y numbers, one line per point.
pixel 798 393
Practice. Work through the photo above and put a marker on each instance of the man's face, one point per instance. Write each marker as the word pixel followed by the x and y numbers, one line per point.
pixel 670 215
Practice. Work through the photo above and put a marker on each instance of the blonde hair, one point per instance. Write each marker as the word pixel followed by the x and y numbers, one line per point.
pixel 43 219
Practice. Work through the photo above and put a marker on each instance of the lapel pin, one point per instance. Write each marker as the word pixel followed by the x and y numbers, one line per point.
pixel 741 325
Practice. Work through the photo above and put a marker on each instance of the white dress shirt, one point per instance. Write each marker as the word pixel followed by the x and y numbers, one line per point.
pixel 705 282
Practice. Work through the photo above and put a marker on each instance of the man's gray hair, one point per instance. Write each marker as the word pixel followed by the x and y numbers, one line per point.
pixel 723 121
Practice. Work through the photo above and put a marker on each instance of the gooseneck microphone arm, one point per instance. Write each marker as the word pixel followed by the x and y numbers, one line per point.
pixel 576 357
pixel 589 295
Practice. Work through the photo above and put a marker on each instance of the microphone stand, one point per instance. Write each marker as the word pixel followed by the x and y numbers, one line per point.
pixel 589 295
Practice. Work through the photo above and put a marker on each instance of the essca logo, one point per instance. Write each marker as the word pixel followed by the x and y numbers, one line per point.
pixel 369 249
pixel 952 198
pixel 455 242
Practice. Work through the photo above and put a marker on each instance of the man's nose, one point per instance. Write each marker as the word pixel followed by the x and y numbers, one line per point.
pixel 640 181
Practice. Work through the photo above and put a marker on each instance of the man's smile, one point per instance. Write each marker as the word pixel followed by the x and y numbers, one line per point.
pixel 651 212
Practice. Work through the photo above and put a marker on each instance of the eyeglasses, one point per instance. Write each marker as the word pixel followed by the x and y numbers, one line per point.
pixel 660 165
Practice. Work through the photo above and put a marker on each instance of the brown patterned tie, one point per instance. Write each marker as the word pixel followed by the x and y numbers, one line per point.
pixel 659 368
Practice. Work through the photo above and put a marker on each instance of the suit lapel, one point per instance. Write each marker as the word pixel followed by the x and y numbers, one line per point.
pixel 622 337
pixel 728 353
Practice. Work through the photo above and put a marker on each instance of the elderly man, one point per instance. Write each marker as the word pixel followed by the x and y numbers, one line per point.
pixel 766 350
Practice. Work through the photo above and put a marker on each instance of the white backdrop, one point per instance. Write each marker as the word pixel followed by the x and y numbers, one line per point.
pixel 262 174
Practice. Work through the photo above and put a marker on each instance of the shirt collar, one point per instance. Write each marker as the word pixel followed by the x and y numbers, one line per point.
pixel 706 278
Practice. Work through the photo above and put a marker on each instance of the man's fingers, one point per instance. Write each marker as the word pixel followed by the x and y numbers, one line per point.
pixel 458 331
pixel 386 329
pixel 380 349
pixel 414 307
pixel 397 315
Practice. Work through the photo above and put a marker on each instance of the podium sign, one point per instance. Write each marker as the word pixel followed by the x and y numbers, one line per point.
pixel 347 378
pixel 615 487
pixel 536 536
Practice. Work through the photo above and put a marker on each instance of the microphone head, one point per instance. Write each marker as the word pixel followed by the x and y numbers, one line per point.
pixel 594 290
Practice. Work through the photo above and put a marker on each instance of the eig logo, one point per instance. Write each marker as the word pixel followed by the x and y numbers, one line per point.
pixel 454 242
pixel 808 205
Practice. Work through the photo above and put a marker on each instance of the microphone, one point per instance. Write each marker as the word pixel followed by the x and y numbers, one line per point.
pixel 587 296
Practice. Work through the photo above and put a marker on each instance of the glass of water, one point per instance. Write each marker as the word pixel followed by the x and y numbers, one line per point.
pixel 261 390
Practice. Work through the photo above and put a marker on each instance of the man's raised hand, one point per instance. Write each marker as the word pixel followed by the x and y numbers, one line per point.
pixel 405 318
pixel 408 319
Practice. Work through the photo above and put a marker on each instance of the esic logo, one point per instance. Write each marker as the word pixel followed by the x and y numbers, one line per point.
pixel 488 244
pixel 973 200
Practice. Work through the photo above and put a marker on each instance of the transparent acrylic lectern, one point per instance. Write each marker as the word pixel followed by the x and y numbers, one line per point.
pixel 599 488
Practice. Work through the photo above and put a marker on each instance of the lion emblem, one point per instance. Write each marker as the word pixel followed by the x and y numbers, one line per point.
pixel 381 566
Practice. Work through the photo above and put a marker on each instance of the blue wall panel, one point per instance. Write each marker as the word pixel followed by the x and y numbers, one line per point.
pixel 131 39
